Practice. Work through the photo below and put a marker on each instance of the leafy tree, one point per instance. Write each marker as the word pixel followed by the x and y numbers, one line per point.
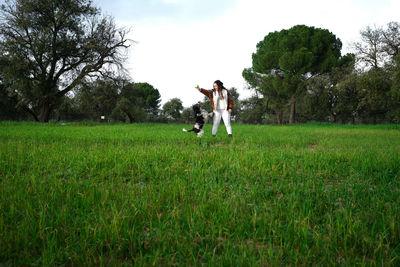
pixel 273 90
pixel 315 105
pixel 333 94
pixel 285 60
pixel 98 98
pixel 51 46
pixel 119 99
pixel 253 110
pixel 391 39
pixel 236 103
pixel 173 108
pixel 69 110
pixel 137 100
pixel 149 97
pixel 347 107
pixel 188 115
pixel 395 92
pixel 391 46
pixel 373 89
pixel 378 51
pixel 378 46
pixel 370 49
pixel 9 109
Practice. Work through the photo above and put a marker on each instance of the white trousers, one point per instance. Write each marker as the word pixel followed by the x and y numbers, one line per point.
pixel 217 119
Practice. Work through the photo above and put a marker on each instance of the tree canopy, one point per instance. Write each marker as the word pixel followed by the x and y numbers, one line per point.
pixel 172 109
pixel 285 59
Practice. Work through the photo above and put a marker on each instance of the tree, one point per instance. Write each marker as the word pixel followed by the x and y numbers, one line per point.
pixel 236 103
pixel 378 51
pixel 51 46
pixel 104 97
pixel 349 98
pixel 137 100
pixel 395 91
pixel 373 89
pixel 253 110
pixel 391 39
pixel 188 115
pixel 332 94
pixel 378 46
pixel 97 98
pixel 69 110
pixel 133 112
pixel 370 50
pixel 285 60
pixel 9 109
pixel 271 88
pixel 143 95
pixel 173 108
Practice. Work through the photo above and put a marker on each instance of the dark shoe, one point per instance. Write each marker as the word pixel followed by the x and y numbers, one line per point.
pixel 230 135
pixel 214 135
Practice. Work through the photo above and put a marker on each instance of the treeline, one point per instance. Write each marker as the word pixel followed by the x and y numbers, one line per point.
pixel 63 61
pixel 299 75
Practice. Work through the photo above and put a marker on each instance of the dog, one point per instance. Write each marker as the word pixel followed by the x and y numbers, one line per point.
pixel 201 118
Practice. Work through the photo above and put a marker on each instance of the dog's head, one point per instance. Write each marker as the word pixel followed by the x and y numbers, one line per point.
pixel 196 108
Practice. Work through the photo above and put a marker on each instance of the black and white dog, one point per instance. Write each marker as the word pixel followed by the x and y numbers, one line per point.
pixel 201 116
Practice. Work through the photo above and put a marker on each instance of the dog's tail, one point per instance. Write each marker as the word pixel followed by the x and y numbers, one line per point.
pixel 184 130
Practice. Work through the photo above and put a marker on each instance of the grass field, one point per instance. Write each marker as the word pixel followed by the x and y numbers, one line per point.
pixel 149 194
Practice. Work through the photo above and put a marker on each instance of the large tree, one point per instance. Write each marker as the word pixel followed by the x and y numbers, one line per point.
pixel 390 37
pixel 332 94
pixel 378 46
pixel 172 109
pixel 51 46
pixel 284 60
pixel 378 51
pixel 374 91
pixel 98 98
pixel 139 99
pixel 370 50
pixel 143 95
pixel 271 88
pixel 253 110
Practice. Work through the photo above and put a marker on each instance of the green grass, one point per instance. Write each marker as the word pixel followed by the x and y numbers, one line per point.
pixel 149 194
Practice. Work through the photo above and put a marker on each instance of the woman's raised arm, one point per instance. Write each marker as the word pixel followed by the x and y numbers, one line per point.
pixel 205 92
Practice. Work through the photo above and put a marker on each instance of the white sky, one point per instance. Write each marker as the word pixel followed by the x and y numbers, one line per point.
pixel 181 43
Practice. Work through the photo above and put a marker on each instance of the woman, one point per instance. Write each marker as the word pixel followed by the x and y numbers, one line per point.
pixel 222 104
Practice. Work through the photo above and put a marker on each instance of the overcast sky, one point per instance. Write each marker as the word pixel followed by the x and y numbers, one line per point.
pixel 181 43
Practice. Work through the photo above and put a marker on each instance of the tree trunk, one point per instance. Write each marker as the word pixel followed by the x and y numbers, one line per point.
pixel 45 113
pixel 334 119
pixel 30 112
pixel 292 109
pixel 131 119
pixel 279 116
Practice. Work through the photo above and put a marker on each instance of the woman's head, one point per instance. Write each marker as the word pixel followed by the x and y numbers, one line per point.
pixel 218 85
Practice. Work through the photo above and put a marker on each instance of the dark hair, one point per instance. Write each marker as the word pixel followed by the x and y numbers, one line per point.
pixel 220 87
